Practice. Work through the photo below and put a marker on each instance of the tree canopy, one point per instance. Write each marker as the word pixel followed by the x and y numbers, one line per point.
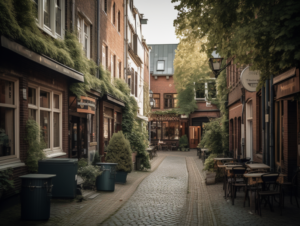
pixel 264 34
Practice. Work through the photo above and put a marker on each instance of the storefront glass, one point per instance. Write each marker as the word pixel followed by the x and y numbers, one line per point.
pixel 165 130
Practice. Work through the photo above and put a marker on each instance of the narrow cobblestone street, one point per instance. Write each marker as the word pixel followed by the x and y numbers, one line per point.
pixel 172 193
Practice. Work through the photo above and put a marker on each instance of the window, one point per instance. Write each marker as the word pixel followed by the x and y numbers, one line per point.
pixel 119 21
pixel 45 107
pixel 205 89
pixel 120 69
pixel 136 84
pixel 170 100
pixel 83 30
pixel 104 6
pixel 129 81
pixel 9 118
pixel 104 50
pixel 117 122
pixel 113 14
pixel 160 65
pixel 200 90
pixel 50 16
pixel 165 130
pixel 156 97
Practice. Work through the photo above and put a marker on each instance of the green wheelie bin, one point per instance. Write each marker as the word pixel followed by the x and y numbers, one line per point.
pixel 35 196
pixel 106 181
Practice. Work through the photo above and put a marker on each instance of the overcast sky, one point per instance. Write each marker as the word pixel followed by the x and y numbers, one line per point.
pixel 160 15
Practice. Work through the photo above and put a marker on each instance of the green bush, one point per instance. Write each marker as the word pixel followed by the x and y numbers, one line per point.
pixel 96 158
pixel 6 182
pixel 89 175
pixel 183 141
pixel 119 151
pixel 209 163
pixel 82 163
pixel 36 145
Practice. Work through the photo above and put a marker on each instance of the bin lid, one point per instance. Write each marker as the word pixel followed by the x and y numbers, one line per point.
pixel 38 176
pixel 60 160
pixel 105 163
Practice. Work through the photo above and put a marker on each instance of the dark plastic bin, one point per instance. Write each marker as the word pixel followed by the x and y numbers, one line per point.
pixel 65 182
pixel 106 181
pixel 35 196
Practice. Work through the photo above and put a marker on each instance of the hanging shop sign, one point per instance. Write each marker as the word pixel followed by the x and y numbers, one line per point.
pixel 86 105
pixel 288 87
pixel 250 79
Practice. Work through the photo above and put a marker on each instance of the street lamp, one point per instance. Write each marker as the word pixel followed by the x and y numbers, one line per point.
pixel 215 64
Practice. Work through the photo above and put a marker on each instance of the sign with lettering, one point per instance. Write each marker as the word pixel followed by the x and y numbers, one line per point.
pixel 86 105
pixel 250 79
pixel 287 87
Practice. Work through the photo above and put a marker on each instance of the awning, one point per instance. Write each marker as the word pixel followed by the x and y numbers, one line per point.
pixel 113 100
pixel 41 59
pixel 142 117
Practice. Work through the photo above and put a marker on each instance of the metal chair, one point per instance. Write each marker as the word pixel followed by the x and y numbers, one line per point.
pixel 266 192
pixel 237 171
pixel 293 187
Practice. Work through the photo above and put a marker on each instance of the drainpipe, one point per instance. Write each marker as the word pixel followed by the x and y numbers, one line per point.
pixel 149 91
pixel 98 35
pixel 263 123
pixel 272 132
pixel 267 127
pixel 242 126
pixel 125 38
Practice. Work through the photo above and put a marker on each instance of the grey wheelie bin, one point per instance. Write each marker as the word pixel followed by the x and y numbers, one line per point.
pixel 65 182
pixel 35 196
pixel 106 181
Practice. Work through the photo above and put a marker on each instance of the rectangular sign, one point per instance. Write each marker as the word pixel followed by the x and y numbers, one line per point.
pixel 288 87
pixel 284 76
pixel 86 105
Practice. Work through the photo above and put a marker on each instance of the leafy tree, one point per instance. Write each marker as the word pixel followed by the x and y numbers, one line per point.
pixel 264 34
pixel 191 66
pixel 119 151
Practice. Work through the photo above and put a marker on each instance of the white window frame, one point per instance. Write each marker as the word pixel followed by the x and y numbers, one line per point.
pixel 206 90
pixel 160 61
pixel 10 158
pixel 80 28
pixel 52 151
pixel 40 20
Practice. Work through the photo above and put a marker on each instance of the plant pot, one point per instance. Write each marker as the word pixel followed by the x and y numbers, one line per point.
pixel 121 177
pixel 210 177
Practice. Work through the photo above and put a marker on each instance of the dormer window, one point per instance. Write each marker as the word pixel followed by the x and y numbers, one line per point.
pixel 160 65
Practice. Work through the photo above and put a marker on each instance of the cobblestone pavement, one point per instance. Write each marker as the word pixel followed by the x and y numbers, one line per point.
pixel 227 214
pixel 159 200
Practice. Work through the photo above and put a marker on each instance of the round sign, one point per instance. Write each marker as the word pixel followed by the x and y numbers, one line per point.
pixel 250 79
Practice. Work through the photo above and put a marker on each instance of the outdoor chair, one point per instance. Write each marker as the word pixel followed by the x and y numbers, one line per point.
pixel 243 161
pixel 227 179
pixel 174 146
pixel 238 173
pixel 266 192
pixel 155 151
pixel 293 186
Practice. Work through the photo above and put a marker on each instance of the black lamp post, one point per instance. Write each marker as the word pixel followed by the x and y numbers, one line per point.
pixel 215 64
pixel 152 103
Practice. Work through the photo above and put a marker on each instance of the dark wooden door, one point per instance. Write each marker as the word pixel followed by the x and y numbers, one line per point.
pixel 194 136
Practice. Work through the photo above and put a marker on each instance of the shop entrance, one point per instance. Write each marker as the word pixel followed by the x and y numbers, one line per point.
pixel 195 136
pixel 78 136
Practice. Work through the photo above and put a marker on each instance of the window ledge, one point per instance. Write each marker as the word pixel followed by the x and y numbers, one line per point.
pixel 55 154
pixel 16 164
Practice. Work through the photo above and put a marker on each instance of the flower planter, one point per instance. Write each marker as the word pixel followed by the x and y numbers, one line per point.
pixel 121 177
pixel 210 177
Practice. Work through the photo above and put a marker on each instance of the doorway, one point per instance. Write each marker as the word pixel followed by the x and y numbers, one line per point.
pixel 195 136
pixel 78 137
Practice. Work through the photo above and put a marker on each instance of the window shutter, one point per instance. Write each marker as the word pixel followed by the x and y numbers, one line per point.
pixel 136 82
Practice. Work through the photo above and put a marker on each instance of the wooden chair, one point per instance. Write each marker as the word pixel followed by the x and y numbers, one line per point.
pixel 266 192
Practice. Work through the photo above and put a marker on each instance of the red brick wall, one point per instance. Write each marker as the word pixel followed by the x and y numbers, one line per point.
pixel 109 34
pixel 162 85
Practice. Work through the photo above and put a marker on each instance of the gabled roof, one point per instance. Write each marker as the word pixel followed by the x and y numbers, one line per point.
pixel 164 52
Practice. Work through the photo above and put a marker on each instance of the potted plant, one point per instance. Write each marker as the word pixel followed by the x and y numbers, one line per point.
pixel 209 169
pixel 6 182
pixel 119 151
pixel 183 142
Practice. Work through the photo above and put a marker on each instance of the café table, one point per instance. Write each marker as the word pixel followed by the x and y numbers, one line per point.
pixel 255 179
pixel 258 166
pixel 219 161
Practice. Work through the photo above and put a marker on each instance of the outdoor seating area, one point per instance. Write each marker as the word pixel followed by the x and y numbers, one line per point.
pixel 165 146
pixel 260 186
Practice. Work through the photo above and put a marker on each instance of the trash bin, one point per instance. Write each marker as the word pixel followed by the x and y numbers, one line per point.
pixel 35 196
pixel 106 181
pixel 65 182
